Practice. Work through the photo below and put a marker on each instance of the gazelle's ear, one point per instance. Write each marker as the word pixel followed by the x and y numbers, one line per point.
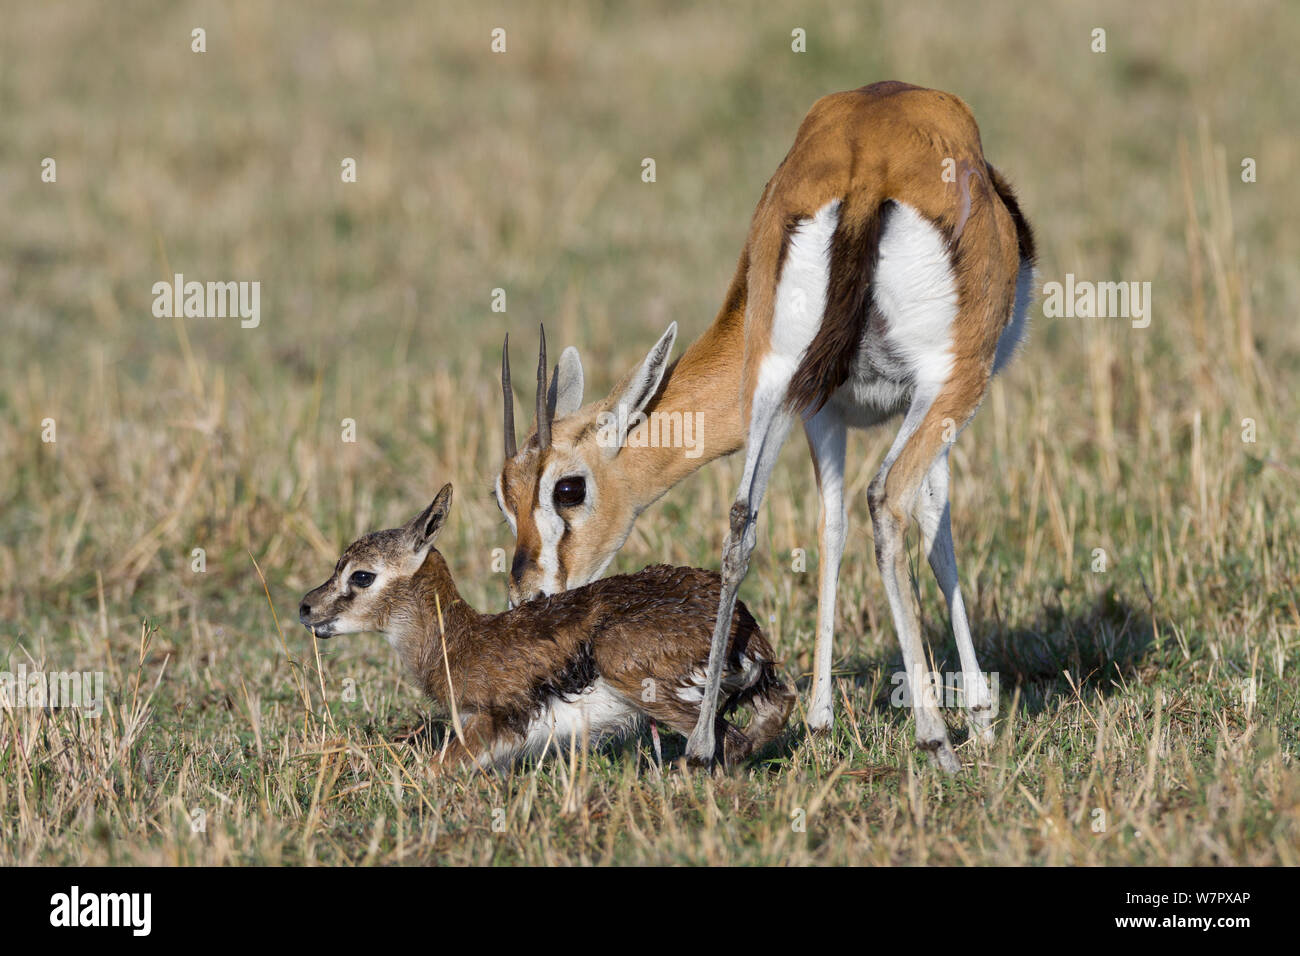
pixel 641 385
pixel 565 394
pixel 424 527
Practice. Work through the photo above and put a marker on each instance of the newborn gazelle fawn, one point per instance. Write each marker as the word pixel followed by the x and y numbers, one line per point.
pixel 584 664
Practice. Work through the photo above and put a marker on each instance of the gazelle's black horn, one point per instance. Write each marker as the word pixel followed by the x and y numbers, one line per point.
pixel 509 397
pixel 543 419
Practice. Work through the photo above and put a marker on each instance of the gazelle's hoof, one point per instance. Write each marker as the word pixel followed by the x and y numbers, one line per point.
pixel 941 754
pixel 700 754
pixel 981 724
pixel 820 723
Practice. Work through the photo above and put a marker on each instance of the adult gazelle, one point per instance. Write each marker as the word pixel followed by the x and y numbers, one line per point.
pixel 887 272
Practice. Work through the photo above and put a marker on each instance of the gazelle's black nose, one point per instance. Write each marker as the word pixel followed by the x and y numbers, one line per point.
pixel 304 612
pixel 519 566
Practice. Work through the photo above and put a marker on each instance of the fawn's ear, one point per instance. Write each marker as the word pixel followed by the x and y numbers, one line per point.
pixel 424 527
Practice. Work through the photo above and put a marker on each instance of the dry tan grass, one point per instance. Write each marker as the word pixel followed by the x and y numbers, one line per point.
pixel 1123 691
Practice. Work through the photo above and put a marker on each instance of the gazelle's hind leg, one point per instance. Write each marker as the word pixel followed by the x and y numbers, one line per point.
pixel 944 306
pixel 933 515
pixel 891 497
pixel 827 434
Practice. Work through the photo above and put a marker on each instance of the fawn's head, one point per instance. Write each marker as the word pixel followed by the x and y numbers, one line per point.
pixel 567 495
pixel 372 586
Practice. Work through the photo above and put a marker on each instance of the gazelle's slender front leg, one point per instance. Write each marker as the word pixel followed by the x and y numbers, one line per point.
pixel 827 433
pixel 933 514
pixel 797 309
pixel 891 498
pixel 769 424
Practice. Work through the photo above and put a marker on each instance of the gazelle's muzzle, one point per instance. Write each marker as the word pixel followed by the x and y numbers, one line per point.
pixel 525 582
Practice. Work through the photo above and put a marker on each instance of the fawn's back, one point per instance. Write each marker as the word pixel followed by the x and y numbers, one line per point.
pixel 643 634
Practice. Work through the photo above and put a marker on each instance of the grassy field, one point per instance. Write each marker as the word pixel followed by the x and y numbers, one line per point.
pixel 1149 710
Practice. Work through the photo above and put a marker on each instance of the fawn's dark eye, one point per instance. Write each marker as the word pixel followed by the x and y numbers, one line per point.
pixel 361 579
pixel 570 492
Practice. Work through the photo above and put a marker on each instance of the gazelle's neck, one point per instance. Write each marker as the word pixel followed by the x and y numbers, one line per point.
pixel 703 386
pixel 435 617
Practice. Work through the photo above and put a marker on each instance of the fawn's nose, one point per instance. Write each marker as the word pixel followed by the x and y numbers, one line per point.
pixel 304 612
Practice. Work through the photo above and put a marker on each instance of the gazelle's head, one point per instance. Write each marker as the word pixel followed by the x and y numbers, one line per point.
pixel 372 587
pixel 566 494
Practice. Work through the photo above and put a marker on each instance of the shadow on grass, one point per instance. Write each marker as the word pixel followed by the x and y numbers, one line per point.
pixel 1100 645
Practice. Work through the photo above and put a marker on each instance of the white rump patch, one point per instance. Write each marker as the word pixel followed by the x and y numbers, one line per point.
pixel 801 291
pixel 915 290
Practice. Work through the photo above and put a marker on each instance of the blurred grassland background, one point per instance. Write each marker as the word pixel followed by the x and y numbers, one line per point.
pixel 1125 692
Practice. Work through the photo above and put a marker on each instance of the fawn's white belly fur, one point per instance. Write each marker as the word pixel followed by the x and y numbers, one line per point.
pixel 595 712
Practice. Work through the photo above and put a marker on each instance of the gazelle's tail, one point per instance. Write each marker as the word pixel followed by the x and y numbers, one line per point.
pixel 854 252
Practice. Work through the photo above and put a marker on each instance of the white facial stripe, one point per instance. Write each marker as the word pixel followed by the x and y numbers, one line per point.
pixel 382 573
pixel 353 618
pixel 501 505
pixel 551 526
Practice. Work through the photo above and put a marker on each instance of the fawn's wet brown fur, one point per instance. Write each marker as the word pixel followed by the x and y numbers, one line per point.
pixel 642 639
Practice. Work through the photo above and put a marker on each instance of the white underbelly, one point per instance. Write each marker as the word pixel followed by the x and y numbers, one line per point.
pixel 868 399
pixel 597 712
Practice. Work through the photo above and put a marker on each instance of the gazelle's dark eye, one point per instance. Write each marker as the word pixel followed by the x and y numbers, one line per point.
pixel 570 491
pixel 361 579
